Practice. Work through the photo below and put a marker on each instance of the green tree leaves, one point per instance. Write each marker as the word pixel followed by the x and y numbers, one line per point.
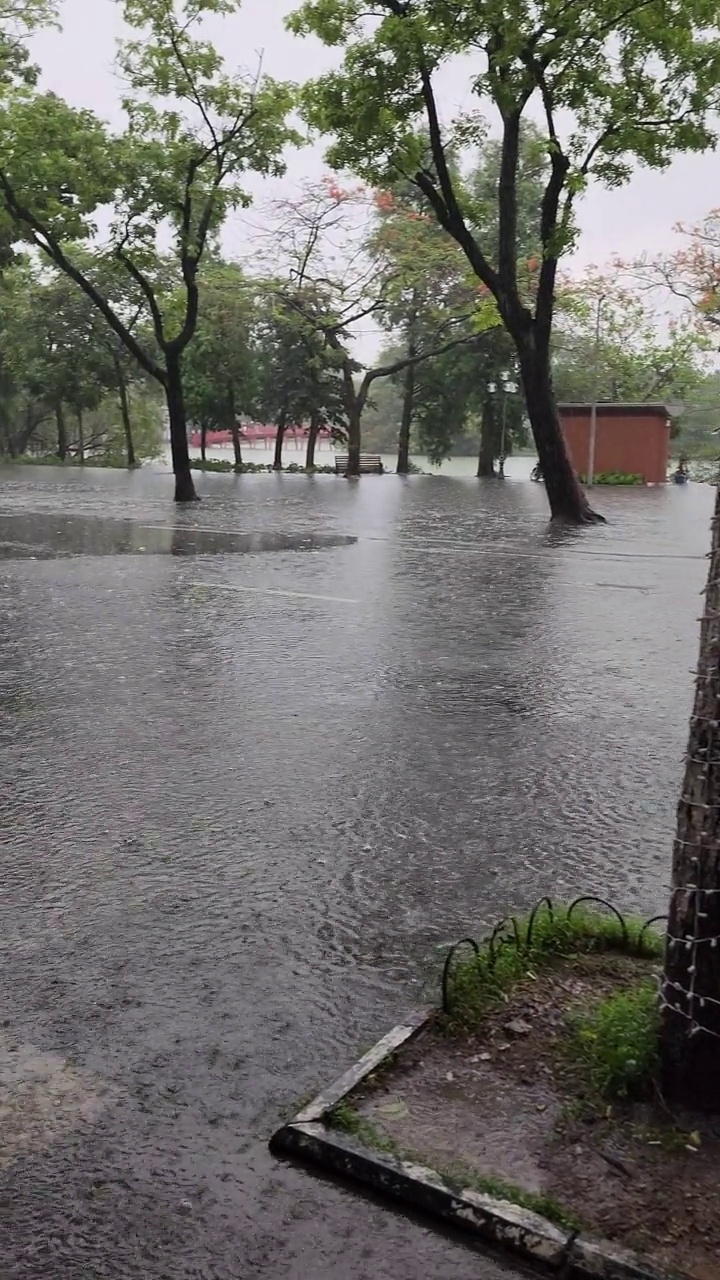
pixel 194 130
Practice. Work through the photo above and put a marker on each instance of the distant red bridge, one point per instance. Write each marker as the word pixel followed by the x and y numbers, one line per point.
pixel 256 434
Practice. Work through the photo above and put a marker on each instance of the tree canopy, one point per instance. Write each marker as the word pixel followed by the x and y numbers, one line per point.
pixel 612 84
pixel 193 130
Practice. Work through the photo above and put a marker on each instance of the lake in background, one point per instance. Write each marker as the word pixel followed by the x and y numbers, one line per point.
pixel 516 468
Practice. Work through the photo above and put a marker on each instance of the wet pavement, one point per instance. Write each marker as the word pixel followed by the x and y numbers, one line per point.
pixel 261 759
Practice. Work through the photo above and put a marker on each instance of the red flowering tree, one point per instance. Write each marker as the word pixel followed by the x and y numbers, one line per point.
pixel 692 272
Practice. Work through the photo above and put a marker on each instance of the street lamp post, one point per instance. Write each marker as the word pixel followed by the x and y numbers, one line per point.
pixel 506 387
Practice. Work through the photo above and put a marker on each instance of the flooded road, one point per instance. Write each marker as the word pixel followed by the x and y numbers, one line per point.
pixel 261 759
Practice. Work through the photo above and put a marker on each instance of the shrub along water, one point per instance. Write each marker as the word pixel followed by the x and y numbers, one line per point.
pixel 614 478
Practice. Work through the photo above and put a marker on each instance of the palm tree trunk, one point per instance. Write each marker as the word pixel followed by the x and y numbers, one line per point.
pixel 690 1028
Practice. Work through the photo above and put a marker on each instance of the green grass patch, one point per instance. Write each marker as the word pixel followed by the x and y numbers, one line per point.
pixel 346 1119
pixel 537 1202
pixel 477 983
pixel 614 478
pixel 616 1043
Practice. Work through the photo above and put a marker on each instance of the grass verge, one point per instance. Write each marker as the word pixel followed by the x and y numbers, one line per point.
pixel 476 983
pixel 346 1119
pixel 616 1043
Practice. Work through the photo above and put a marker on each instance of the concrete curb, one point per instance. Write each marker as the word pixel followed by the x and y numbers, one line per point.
pixel 528 1236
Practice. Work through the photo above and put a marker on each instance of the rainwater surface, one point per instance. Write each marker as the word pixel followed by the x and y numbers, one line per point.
pixel 261 760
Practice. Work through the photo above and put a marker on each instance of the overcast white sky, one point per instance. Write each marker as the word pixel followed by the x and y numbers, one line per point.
pixel 78 64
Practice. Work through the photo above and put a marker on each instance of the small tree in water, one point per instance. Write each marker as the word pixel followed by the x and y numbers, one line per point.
pixel 690 1030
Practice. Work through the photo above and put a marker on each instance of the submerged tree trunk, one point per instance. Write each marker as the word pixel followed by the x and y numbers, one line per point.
pixel 313 432
pixel 234 428
pixel 565 495
pixel 279 439
pixel 403 455
pixel 184 487
pixel 690 1000
pixel 486 455
pixel 354 439
pixel 81 435
pixel 125 414
pixel 62 443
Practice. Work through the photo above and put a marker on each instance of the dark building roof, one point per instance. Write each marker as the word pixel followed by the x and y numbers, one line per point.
pixel 616 407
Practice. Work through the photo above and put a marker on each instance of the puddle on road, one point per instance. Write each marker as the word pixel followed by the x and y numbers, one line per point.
pixel 39 536
pixel 42 1098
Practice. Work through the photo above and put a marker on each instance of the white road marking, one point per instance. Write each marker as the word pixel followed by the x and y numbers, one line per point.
pixel 272 591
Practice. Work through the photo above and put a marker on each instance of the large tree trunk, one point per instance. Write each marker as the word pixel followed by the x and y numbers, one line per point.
pixel 567 500
pixel 486 455
pixel 354 436
pixel 184 487
pixel 62 442
pixel 403 455
pixel 279 439
pixel 234 428
pixel 313 432
pixel 125 414
pixel 690 1028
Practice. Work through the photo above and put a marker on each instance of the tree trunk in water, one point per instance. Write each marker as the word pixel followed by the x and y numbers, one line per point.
pixel 184 487
pixel 565 495
pixel 234 428
pixel 403 456
pixel 690 997
pixel 125 414
pixel 81 436
pixel 354 443
pixel 486 456
pixel 277 460
pixel 312 440
pixel 62 445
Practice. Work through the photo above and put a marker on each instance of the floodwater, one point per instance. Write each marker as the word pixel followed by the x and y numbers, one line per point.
pixel 261 760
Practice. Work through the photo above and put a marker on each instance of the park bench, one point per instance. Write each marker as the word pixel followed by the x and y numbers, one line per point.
pixel 370 464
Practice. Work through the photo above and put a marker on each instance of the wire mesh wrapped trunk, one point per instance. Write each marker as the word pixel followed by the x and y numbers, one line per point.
pixel 690 1030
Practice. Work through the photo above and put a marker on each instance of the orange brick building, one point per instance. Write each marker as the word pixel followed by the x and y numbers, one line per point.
pixel 631 438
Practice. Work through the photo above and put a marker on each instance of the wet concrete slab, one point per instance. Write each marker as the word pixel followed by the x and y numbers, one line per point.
pixel 248 798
